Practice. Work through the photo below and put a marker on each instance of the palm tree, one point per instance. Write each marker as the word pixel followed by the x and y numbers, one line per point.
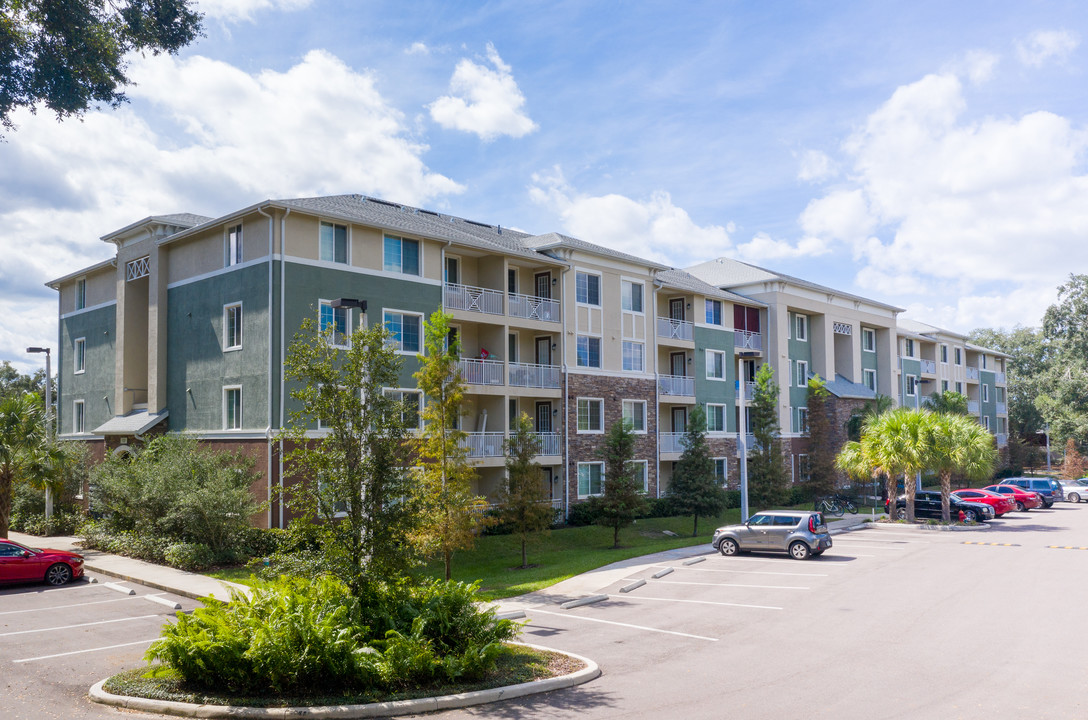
pixel 878 406
pixel 948 402
pixel 958 444
pixel 893 443
pixel 22 448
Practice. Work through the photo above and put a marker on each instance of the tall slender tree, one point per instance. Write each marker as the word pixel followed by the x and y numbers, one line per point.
pixel 694 488
pixel 22 448
pixel 1073 463
pixel 622 499
pixel 957 444
pixel 524 500
pixel 768 478
pixel 821 452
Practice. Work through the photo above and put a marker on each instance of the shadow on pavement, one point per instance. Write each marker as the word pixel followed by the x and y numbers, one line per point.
pixel 576 699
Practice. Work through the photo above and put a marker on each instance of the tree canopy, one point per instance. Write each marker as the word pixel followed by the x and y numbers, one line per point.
pixel 695 489
pixel 768 477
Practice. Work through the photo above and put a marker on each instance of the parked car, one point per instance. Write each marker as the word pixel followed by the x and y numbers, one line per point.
pixel 19 563
pixel 1025 499
pixel 997 501
pixel 1076 490
pixel 927 504
pixel 801 533
pixel 1048 489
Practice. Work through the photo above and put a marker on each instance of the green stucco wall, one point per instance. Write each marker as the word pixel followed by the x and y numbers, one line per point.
pixel 716 391
pixel 95 385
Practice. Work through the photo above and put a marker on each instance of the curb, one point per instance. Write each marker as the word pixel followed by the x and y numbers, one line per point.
pixel 935 528
pixel 160 586
pixel 387 709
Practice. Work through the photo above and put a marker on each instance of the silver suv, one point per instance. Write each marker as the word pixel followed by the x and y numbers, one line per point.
pixel 801 533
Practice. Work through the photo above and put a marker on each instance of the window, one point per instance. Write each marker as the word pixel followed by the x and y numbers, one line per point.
pixel 233 246
pixel 985 393
pixel 334 243
pixel 908 347
pixel 999 394
pixel 634 356
pixel 406 330
pixel 944 354
pixel 802 373
pixel 512 281
pixel 339 319
pixel 715 417
pixel 232 326
pixel 634 413
pixel 80 356
pixel 959 388
pixel 641 475
pixel 944 386
pixel 868 377
pixel 721 470
pixel 986 422
pixel 81 293
pixel 589 351
pixel 631 296
pixel 401 256
pixel 78 421
pixel 713 312
pixel 411 413
pixel 590 415
pixel 802 327
pixel 802 419
pixel 868 340
pixel 911 385
pixel 804 469
pixel 715 364
pixel 590 479
pixel 232 408
pixel 587 288
pixel 959 356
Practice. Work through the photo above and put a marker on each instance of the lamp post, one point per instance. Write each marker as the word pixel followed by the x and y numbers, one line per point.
pixel 742 434
pixel 918 382
pixel 48 417
pixel 1047 433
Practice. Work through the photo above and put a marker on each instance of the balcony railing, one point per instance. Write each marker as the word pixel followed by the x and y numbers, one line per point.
pixel 749 441
pixel 669 329
pixel 481 372
pixel 745 340
pixel 473 299
pixel 549 443
pixel 972 373
pixel 999 378
pixel 972 407
pixel 749 390
pixel 676 385
pixel 929 366
pixel 1002 409
pixel 1002 439
pixel 672 442
pixel 532 307
pixel 484 444
pixel 534 376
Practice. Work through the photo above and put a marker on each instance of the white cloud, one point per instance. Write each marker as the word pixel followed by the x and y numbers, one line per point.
pixel 243 10
pixel 842 215
pixel 483 100
pixel 977 65
pixel 763 247
pixel 654 228
pixel 1022 306
pixel 1043 45
pixel 815 165
pixel 417 48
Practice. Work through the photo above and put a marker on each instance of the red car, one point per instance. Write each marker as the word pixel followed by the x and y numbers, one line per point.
pixel 1000 503
pixel 1023 499
pixel 19 563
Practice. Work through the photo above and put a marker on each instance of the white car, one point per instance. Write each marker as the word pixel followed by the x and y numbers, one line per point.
pixel 1076 490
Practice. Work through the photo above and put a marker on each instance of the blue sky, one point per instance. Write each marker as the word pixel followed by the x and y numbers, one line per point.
pixel 929 155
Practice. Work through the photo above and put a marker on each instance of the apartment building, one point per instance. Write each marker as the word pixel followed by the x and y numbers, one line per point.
pixel 187 327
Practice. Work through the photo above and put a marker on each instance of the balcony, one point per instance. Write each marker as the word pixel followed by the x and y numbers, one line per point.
pixel 530 375
pixel 1002 409
pixel 745 340
pixel 550 443
pixel 749 390
pixel 929 367
pixel 999 378
pixel 472 299
pixel 672 442
pixel 749 442
pixel 481 372
pixel 676 385
pixel 669 329
pixel 972 407
pixel 484 444
pixel 1002 439
pixel 531 307
pixel 972 373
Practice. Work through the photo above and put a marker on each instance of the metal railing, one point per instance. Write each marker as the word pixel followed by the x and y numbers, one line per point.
pixel 749 442
pixel 472 299
pixel 972 373
pixel 481 372
pixel 749 390
pixel 746 340
pixel 484 444
pixel 672 442
pixel 1002 439
pixel 549 443
pixel 972 407
pixel 532 307
pixel 676 385
pixel 1002 409
pixel 669 329
pixel 999 378
pixel 929 366
pixel 535 376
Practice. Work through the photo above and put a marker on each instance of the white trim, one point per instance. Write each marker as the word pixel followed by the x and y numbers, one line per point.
pixel 801 377
pixel 227 388
pixel 865 371
pixel 227 257
pixel 578 479
pixel 82 416
pixel 419 256
pixel 725 461
pixel 84 436
pixel 600 288
pixel 241 335
pixel 422 344
pixel 91 308
pixel 623 348
pixel 577 429
pixel 725 366
pixel 721 304
pixel 866 332
pixel 81 283
pixel 645 474
pixel 633 281
pixel 76 343
pixel 802 323
pixel 582 370
pixel 645 417
pixel 347 242
pixel 802 427
pixel 600 352
pixel 725 420
pixel 414 391
pixel 361 271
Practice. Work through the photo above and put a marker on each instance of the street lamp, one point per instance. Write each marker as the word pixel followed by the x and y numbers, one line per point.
pixel 1047 433
pixel 918 382
pixel 350 303
pixel 48 417
pixel 742 433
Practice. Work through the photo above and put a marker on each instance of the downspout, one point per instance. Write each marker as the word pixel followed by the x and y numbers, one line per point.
pixel 566 390
pixel 283 347
pixel 657 384
pixel 271 367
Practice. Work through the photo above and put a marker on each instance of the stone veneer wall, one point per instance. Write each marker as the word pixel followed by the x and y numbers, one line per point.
pixel 613 389
pixel 726 448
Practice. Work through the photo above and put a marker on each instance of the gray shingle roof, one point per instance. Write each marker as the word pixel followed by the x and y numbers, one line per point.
pixel 554 240
pixel 135 423
pixel 683 280
pixel 842 388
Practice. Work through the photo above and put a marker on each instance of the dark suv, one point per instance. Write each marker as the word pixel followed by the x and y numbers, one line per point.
pixel 1046 488
pixel 927 504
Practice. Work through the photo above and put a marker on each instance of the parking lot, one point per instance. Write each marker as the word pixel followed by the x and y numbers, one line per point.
pixel 56 642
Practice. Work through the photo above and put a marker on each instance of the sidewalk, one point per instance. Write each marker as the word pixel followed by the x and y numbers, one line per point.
pixel 160 577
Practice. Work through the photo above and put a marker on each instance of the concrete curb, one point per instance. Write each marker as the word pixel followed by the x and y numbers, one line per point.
pixel 227 588
pixel 589 600
pixel 387 709
pixel 918 527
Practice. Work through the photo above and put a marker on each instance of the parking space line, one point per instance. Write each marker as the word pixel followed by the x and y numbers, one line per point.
pixel 972 542
pixel 702 602
pixel 627 625
pixel 88 650
pixel 871 540
pixel 78 625
pixel 868 547
pixel 1066 547
pixel 732 585
pixel 65 607
pixel 756 572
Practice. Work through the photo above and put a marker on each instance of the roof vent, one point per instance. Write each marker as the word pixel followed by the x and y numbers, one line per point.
pixel 384 202
pixel 477 224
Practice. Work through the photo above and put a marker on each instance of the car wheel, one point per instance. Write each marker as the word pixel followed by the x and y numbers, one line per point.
pixel 728 547
pixel 901 513
pixel 1073 497
pixel 58 574
pixel 1048 505
pixel 799 551
pixel 1020 507
pixel 970 516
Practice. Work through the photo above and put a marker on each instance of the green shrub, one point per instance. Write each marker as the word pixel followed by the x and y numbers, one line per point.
pixel 189 556
pixel 583 513
pixel 62 523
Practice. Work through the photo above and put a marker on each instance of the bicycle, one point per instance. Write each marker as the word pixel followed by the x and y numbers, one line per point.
pixel 846 503
pixel 829 506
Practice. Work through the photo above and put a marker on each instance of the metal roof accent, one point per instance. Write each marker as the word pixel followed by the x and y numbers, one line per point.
pixel 136 422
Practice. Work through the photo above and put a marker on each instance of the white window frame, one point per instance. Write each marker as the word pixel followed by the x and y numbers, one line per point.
pixel 985 393
pixel 79 356
pixel 908 347
pixel 718 305
pixel 578 357
pixel 402 391
pixel 801 373
pixel 944 353
pixel 600 288
pixel 419 256
pixel 627 296
pixel 724 477
pixel 868 340
pixel 986 422
pixel 865 374
pixel 81 293
pixel 633 346
pixel 227 346
pixel 645 475
pixel 79 417
pixel 347 322
pixel 589 488
pixel 227 389
pixel 233 255
pixel 802 461
pixel 578 415
pixel 399 344
pixel 725 419
pixel 944 386
pixel 910 385
pixel 801 334
pixel 802 420
pixel 959 387
pixel 629 416
pixel 958 356
pixel 347 242
pixel 710 355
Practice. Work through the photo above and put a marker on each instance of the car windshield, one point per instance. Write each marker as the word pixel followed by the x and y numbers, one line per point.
pixel 760 520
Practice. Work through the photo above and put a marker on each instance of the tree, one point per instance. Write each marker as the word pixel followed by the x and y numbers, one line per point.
pixel 957 444
pixel 524 501
pixel 821 453
pixel 1073 463
pixel 893 443
pixel 948 402
pixel 621 500
pixel 452 513
pixel 694 488
pixel 13 382
pixel 768 477
pixel 71 55
pixel 858 418
pixel 357 482
pixel 22 445
pixel 1025 370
